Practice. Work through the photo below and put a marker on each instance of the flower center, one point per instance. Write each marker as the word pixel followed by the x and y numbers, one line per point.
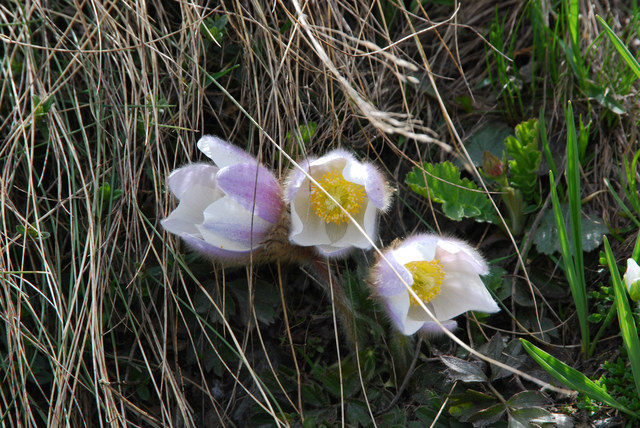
pixel 349 196
pixel 427 279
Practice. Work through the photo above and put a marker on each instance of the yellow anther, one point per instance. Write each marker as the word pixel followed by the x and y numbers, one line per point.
pixel 427 279
pixel 349 196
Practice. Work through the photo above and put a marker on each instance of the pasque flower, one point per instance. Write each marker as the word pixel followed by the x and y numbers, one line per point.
pixel 226 210
pixel 357 188
pixel 444 273
pixel 632 279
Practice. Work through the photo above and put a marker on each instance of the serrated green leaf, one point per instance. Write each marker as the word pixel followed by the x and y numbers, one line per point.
pixel 460 197
pixel 546 237
pixel 525 157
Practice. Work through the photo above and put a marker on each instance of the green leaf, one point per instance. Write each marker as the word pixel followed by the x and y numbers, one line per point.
pixel 546 238
pixel 489 415
pixel 305 133
pixel 527 399
pixel 463 370
pixel 464 406
pixel 525 157
pixel 460 197
pixel 529 417
pixel 571 377
pixel 605 98
pixel 347 385
pixel 214 29
pixel 490 138
pixel 266 302
pixel 358 413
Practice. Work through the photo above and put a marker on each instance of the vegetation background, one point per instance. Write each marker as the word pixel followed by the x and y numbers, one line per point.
pixel 107 320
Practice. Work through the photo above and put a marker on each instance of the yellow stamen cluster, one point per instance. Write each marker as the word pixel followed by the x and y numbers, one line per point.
pixel 427 279
pixel 349 196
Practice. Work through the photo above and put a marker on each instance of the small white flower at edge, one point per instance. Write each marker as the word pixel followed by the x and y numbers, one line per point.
pixel 445 275
pixel 317 221
pixel 226 210
pixel 632 279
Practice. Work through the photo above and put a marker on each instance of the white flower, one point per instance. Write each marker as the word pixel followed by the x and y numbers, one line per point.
pixel 443 272
pixel 632 279
pixel 226 210
pixel 317 221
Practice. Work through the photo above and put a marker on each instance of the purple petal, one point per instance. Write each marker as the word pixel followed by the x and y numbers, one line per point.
pixel 255 188
pixel 196 175
pixel 377 188
pixel 386 280
pixel 231 222
pixel 223 153
pixel 213 251
pixel 431 329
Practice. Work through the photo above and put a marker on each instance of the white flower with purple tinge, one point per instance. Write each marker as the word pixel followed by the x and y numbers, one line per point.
pixel 445 275
pixel 632 279
pixel 226 210
pixel 317 221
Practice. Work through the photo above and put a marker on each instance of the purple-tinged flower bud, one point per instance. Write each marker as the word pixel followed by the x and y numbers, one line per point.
pixel 492 165
pixel 226 210
pixel 444 274
pixel 317 221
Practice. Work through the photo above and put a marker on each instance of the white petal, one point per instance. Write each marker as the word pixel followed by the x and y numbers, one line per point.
pixel 221 152
pixel 336 232
pixel 461 256
pixel 353 236
pixel 307 229
pixel 411 326
pixel 420 247
pixel 398 307
pixel 460 293
pixel 335 159
pixel 186 178
pixel 632 274
pixel 189 211
pixel 226 212
pixel 417 313
pixel 355 172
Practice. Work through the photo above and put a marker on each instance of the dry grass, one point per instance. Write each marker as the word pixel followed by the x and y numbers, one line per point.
pixel 99 101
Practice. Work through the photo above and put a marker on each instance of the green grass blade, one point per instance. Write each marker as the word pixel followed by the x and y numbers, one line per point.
pixel 621 204
pixel 625 316
pixel 620 47
pixel 572 22
pixel 575 209
pixel 572 377
pixel 577 289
